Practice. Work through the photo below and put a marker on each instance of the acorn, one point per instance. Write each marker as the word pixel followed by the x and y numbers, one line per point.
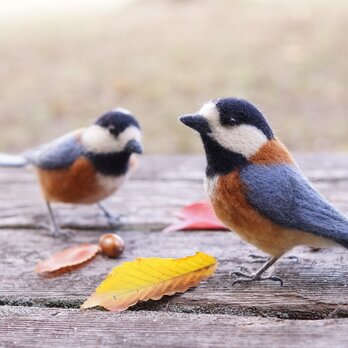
pixel 111 245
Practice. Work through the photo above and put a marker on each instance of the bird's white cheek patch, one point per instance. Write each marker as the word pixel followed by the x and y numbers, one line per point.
pixel 243 139
pixel 98 139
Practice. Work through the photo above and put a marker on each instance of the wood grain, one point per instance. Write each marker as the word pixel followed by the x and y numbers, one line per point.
pixel 315 287
pixel 214 314
pixel 38 327
pixel 160 186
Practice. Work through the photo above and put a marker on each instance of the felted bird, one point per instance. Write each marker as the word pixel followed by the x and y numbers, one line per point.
pixel 85 166
pixel 255 187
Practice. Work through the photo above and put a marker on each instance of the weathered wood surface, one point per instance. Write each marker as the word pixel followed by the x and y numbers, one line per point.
pixel 160 186
pixel 315 287
pixel 28 327
pixel 213 314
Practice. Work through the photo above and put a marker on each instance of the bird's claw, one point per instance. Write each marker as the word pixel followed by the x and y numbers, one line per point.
pixel 54 232
pixel 240 274
pixel 244 272
pixel 43 226
pixel 114 220
pixel 245 278
pixel 275 279
pixel 64 234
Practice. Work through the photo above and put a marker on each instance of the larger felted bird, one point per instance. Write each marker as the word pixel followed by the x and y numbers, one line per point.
pixel 85 166
pixel 256 188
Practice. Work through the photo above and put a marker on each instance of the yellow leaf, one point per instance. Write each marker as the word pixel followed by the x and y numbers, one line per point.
pixel 150 278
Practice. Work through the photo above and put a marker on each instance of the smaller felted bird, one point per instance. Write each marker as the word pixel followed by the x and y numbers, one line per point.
pixel 256 188
pixel 85 166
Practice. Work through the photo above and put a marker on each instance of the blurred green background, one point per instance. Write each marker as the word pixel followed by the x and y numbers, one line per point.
pixel 63 63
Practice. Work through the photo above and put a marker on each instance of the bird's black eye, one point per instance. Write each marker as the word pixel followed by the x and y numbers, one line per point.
pixel 231 121
pixel 111 128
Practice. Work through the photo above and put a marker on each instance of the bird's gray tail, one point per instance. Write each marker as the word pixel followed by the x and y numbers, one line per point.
pixel 13 161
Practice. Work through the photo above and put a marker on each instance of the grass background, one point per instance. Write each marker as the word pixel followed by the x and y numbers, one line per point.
pixel 65 63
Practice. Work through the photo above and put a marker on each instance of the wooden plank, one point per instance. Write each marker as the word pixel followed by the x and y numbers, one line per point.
pixel 143 205
pixel 148 200
pixel 34 327
pixel 317 166
pixel 316 287
pixel 213 314
pixel 148 206
pixel 324 167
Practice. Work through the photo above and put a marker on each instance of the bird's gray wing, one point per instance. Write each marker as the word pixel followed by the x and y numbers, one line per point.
pixel 284 195
pixel 58 154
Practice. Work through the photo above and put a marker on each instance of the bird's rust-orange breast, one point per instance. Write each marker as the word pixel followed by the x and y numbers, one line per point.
pixel 76 184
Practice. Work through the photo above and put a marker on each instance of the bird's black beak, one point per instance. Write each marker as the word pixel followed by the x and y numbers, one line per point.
pixel 133 146
pixel 196 122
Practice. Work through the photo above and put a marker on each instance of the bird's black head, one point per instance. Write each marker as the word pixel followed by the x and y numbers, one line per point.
pixel 116 131
pixel 234 112
pixel 116 121
pixel 232 131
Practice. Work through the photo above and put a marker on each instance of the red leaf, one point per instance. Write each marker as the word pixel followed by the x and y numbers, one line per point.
pixel 68 259
pixel 196 216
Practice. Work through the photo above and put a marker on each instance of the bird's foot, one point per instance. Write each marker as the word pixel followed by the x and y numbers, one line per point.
pixel 64 234
pixel 113 220
pixel 257 279
pixel 56 232
pixel 245 276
